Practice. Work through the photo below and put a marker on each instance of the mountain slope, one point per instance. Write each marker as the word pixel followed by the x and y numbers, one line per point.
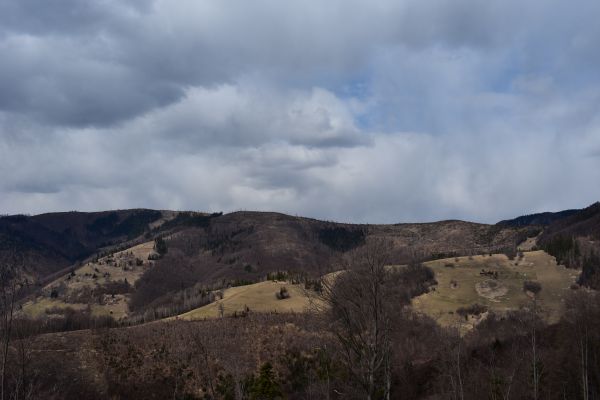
pixel 44 244
pixel 575 242
pixel 542 219
pixel 585 222
pixel 215 251
pixel 245 246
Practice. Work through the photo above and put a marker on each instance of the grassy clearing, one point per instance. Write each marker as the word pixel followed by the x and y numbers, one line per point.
pixel 258 297
pixel 118 267
pixel 46 308
pixel 460 284
pixel 42 307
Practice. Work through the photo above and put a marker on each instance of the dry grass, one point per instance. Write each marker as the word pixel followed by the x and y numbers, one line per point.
pixel 529 244
pixel 141 251
pixel 93 275
pixel 258 297
pixel 40 307
pixel 458 284
pixel 43 307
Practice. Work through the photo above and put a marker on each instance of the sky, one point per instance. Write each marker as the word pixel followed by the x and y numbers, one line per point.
pixel 378 111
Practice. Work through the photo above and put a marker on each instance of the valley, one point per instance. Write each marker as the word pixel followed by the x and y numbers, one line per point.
pixel 211 299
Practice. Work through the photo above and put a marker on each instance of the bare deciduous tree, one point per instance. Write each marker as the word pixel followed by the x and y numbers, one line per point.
pixel 583 307
pixel 534 288
pixel 357 302
pixel 8 292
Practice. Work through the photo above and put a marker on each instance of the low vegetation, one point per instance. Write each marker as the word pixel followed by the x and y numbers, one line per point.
pixel 267 296
pixel 496 283
pixel 222 307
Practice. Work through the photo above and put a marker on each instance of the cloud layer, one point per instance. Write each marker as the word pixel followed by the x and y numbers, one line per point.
pixel 380 111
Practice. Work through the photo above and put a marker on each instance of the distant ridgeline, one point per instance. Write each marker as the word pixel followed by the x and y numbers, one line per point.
pixel 246 246
pixel 572 236
pixel 542 219
pixel 47 243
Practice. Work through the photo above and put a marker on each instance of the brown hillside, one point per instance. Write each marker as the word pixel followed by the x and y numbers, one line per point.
pixel 48 243
pixel 245 246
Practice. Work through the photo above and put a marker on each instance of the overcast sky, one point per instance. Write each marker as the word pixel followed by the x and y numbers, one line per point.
pixel 363 111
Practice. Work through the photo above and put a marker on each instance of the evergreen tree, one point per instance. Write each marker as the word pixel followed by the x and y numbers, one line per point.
pixel 265 387
pixel 160 246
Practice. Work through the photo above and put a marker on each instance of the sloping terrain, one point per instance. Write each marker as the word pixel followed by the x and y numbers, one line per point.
pixel 194 354
pixel 541 219
pixel 215 251
pixel 575 242
pixel 245 246
pixel 257 297
pixel 102 286
pixel 48 243
pixel 496 283
pixel 585 222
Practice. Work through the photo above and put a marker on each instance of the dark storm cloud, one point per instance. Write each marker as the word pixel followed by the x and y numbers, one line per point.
pixel 353 110
pixel 66 17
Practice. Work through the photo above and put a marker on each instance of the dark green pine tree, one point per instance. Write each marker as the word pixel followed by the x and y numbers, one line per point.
pixel 265 387
pixel 160 246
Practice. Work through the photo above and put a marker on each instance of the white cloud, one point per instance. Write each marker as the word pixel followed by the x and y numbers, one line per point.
pixel 364 111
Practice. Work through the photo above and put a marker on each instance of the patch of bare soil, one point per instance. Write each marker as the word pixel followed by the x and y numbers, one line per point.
pixel 529 244
pixel 491 289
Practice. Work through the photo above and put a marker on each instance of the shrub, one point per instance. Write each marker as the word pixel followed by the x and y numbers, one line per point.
pixel 283 293
pixel 277 276
pixel 474 309
pixel 510 252
pixel 315 285
pixel 532 286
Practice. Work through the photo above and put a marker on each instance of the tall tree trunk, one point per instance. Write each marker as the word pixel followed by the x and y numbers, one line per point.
pixel 583 344
pixel 460 384
pixel 8 300
pixel 534 350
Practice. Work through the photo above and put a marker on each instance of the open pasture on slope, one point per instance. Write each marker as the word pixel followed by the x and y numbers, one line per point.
pixel 102 285
pixel 496 283
pixel 257 297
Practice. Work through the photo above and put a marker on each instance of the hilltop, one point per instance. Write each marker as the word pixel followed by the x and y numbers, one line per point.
pixel 163 302
pixel 208 251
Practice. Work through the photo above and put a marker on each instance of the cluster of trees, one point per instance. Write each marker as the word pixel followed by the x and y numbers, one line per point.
pixel 568 251
pixel 590 271
pixel 131 226
pixel 341 238
pixel 564 248
pixel 190 219
pixel 383 356
pixel 364 343
pixel 160 246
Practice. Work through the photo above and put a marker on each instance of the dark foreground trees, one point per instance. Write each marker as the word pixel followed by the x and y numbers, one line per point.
pixel 7 310
pixel 8 293
pixel 367 343
pixel 297 356
pixel 364 303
